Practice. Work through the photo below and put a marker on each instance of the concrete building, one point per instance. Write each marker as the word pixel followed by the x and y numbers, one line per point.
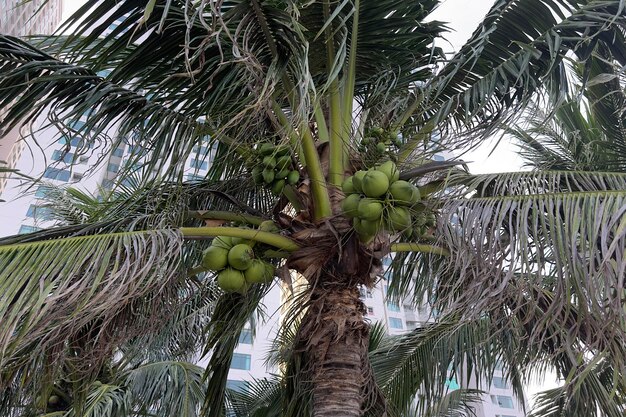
pixel 19 18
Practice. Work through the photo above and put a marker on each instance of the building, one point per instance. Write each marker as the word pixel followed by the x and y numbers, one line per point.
pixel 36 17
pixel 19 18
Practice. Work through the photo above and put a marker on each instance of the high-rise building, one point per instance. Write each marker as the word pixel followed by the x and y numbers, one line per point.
pixel 36 17
pixel 20 18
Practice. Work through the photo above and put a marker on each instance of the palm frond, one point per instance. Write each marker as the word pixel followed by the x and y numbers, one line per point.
pixel 542 248
pixel 457 403
pixel 419 365
pixel 167 388
pixel 231 313
pixel 105 400
pixel 590 391
pixel 70 302
pixel 261 398
pixel 518 47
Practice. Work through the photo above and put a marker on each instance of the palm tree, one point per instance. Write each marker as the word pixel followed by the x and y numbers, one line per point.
pixel 247 76
pixel 585 134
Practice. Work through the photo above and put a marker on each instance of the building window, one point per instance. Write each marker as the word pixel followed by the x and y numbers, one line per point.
pixel 503 401
pixel 194 177
pixel 395 323
pixel 439 158
pixel 57 174
pixel 452 385
pixel 200 150
pixel 370 310
pixel 78 125
pixel 362 292
pixel 113 167
pixel 245 336
pixel 369 294
pixel 499 365
pixel 391 306
pixel 42 191
pixel 235 385
pixel 27 229
pixel 499 382
pixel 240 361
pixel 74 141
pixel 64 156
pixel 198 164
pixel 119 152
pixel 39 212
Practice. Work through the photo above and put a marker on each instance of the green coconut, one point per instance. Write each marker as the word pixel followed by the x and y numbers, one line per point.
pixel 278 186
pixel 269 226
pixel 391 171
pixel 215 258
pixel 370 228
pixel 257 175
pixel 350 205
pixel 347 186
pixel 284 162
pixel 282 174
pixel 357 180
pixel 363 232
pixel 267 149
pixel 269 162
pixel 420 219
pixel 231 280
pixel 369 209
pixel 398 219
pixel 404 193
pixel 381 147
pixel 54 400
pixel 259 272
pixel 378 131
pixel 240 256
pixel 375 183
pixel 282 150
pixel 293 177
pixel 268 175
pixel 225 242
pixel 431 219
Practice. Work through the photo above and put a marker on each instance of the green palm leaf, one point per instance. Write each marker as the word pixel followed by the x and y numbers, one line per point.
pixel 167 388
pixel 74 300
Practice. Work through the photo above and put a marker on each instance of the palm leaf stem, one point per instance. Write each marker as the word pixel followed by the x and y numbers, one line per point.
pixel 226 215
pixel 422 136
pixel 418 247
pixel 271 239
pixel 320 121
pixel 337 148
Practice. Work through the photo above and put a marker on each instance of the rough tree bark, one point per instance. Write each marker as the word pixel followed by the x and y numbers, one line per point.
pixel 337 349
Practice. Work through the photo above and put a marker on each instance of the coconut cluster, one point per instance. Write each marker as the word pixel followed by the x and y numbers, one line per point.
pixel 275 167
pixel 234 261
pixel 377 199
pixel 377 141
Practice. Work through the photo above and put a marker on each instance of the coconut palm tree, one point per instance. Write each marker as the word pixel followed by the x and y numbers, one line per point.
pixel 585 134
pixel 323 90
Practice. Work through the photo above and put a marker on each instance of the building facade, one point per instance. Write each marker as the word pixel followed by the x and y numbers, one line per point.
pixel 36 17
pixel 19 18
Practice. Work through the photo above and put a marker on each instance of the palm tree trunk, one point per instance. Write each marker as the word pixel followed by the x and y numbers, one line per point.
pixel 337 340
